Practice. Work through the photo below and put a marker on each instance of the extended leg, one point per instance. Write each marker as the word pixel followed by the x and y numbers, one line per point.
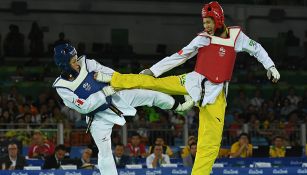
pixel 142 97
pixel 173 85
pixel 211 123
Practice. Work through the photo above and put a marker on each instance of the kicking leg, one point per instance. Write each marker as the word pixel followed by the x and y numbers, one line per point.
pixel 142 97
pixel 173 85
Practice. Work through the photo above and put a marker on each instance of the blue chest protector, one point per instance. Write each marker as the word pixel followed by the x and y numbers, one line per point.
pixel 89 86
pixel 84 85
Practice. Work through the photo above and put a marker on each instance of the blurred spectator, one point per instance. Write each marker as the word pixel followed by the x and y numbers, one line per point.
pixel 242 148
pixel 85 161
pixel 44 113
pixel 188 161
pixel 12 109
pixel 6 118
pixel 42 99
pixel 287 108
pixel 25 113
pixel 291 39
pixel 13 43
pixel 177 121
pixel 15 96
pixel 293 98
pixel 40 147
pixel 57 115
pixel 136 149
pixel 257 100
pixel 253 122
pixel 278 148
pixel 292 129
pixel 8 138
pixel 12 161
pixel 241 101
pixel 61 39
pixel 186 149
pixel 120 159
pixel 115 137
pixel 12 136
pixel 54 161
pixel 36 36
pixel 224 153
pixel 277 98
pixel 157 158
pixel 236 125
pixel 166 149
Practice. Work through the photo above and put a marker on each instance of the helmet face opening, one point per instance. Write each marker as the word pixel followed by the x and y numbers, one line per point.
pixel 215 11
pixel 62 56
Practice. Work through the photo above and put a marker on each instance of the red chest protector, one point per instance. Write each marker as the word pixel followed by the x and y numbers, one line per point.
pixel 216 61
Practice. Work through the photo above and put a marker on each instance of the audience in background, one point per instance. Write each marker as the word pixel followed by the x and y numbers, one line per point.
pixel 257 100
pixel 54 161
pixel 242 148
pixel 36 37
pixel 40 147
pixel 11 137
pixel 293 98
pixel 121 160
pixel 241 101
pixel 61 40
pixel 157 158
pixel 278 149
pixel 136 149
pixel 188 161
pixel 291 39
pixel 85 161
pixel 287 108
pixel 13 160
pixel 186 150
pixel 166 149
pixel 13 43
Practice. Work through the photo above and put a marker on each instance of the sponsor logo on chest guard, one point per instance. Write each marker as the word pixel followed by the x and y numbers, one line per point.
pixel 222 52
pixel 87 86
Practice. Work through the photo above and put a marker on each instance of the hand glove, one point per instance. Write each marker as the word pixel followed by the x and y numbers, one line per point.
pixel 147 72
pixel 108 90
pixel 188 104
pixel 273 72
pixel 101 77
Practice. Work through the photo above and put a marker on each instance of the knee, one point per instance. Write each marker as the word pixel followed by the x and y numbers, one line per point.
pixel 208 150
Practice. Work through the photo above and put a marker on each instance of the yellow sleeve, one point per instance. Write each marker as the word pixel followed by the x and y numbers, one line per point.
pixel 185 151
pixel 272 152
pixel 234 147
pixel 250 150
pixel 169 151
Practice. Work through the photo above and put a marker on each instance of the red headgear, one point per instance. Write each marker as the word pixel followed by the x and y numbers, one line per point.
pixel 214 10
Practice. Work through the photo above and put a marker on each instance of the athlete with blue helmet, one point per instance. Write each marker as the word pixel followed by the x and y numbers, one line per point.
pixel 106 107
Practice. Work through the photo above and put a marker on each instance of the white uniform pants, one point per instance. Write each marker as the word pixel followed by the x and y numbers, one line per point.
pixel 101 129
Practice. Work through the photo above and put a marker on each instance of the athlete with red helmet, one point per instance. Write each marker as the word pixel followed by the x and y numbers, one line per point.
pixel 216 49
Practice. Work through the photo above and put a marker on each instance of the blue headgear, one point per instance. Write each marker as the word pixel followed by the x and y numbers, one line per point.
pixel 62 55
